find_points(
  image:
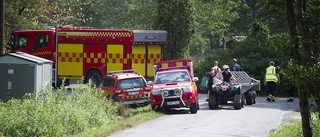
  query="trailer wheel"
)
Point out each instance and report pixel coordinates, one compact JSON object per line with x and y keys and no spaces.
{"x":93,"y":76}
{"x":213,"y":102}
{"x":249,"y":98}
{"x":193,"y":108}
{"x":237,"y":102}
{"x":254,"y":93}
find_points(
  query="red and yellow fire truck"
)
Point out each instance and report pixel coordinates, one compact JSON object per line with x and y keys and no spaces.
{"x":91,"y":53}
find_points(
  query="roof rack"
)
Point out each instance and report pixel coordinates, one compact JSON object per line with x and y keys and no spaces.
{"x":121,"y":71}
{"x":75,"y":27}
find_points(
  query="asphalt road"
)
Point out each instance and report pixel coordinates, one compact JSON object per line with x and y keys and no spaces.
{"x":251,"y":121}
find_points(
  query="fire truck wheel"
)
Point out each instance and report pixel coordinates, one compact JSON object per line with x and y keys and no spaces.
{"x":193,"y":108}
{"x":94,"y":76}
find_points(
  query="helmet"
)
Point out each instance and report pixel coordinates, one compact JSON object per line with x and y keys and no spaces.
{"x":271,"y":63}
{"x":234,"y":60}
{"x":225,"y":67}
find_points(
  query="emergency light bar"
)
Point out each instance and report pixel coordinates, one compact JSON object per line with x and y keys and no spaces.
{"x":172,"y":68}
{"x":121,"y":71}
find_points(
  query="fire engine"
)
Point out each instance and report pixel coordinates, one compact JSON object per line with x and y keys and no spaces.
{"x":84,"y":52}
{"x":174,"y":86}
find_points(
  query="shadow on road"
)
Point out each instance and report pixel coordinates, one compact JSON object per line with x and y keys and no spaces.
{"x":261,"y":102}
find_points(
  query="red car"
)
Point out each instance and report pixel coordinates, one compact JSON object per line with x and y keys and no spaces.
{"x":125,"y":86}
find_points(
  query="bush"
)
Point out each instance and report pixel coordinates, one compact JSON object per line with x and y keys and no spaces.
{"x":54,"y":114}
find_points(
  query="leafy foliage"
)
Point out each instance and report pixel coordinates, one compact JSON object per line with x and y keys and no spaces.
{"x":175,"y":16}
{"x":54,"y":114}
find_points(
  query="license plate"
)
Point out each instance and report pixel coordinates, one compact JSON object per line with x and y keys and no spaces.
{"x":173,"y":103}
{"x":133,"y":93}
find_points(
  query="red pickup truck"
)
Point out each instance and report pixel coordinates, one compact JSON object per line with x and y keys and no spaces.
{"x":174,"y":86}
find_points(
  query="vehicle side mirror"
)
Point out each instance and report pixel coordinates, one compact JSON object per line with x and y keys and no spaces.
{"x":195,"y":79}
{"x":150,"y":83}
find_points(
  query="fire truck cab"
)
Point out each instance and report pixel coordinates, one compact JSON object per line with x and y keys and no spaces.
{"x":84,"y":52}
{"x":174,"y":86}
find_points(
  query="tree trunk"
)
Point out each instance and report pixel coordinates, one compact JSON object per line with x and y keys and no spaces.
{"x":293,"y":29}
{"x":2,"y":27}
{"x":305,"y":113}
{"x":295,"y":22}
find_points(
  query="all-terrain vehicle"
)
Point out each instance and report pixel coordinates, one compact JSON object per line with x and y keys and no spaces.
{"x":241,"y":91}
{"x":224,"y":92}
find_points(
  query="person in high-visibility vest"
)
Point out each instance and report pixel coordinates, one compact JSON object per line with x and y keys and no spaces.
{"x":270,"y":80}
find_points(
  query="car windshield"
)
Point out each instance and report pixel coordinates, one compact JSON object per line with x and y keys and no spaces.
{"x":132,"y":83}
{"x":170,"y":77}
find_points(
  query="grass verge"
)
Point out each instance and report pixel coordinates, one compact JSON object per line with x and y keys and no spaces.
{"x":293,"y":127}
{"x":139,"y":115}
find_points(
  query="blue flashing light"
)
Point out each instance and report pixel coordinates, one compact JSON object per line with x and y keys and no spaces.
{"x":169,"y":68}
{"x":121,"y":71}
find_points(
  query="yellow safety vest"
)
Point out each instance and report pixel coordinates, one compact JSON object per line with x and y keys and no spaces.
{"x":271,"y":74}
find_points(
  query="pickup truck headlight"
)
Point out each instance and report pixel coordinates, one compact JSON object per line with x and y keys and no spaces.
{"x":187,"y":89}
{"x":156,"y":91}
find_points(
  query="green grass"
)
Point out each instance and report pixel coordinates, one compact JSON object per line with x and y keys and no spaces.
{"x":293,"y":128}
{"x":141,"y":115}
{"x":83,"y":113}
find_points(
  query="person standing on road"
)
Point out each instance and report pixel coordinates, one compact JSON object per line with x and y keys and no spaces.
{"x":236,"y":66}
{"x":270,"y":80}
{"x":214,"y":71}
{"x":292,"y":88}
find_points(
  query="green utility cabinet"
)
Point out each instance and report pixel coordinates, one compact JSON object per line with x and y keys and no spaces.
{"x":22,"y":73}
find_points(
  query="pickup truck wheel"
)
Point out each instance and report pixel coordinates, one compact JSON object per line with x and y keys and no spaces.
{"x":198,"y":107}
{"x":249,"y":98}
{"x":237,"y":102}
{"x":193,"y":108}
{"x":155,"y":108}
{"x":213,"y":102}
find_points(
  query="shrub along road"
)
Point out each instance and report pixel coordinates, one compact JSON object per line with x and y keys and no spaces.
{"x":251,"y":121}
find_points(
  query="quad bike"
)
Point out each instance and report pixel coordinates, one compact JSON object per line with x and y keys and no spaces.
{"x":224,"y":92}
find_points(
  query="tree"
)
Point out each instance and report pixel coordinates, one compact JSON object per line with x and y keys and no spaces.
{"x":175,"y":16}
{"x":133,"y":14}
{"x":303,"y":20}
{"x":213,"y":22}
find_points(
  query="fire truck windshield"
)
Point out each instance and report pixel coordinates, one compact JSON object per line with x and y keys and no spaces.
{"x":169,"y":77}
